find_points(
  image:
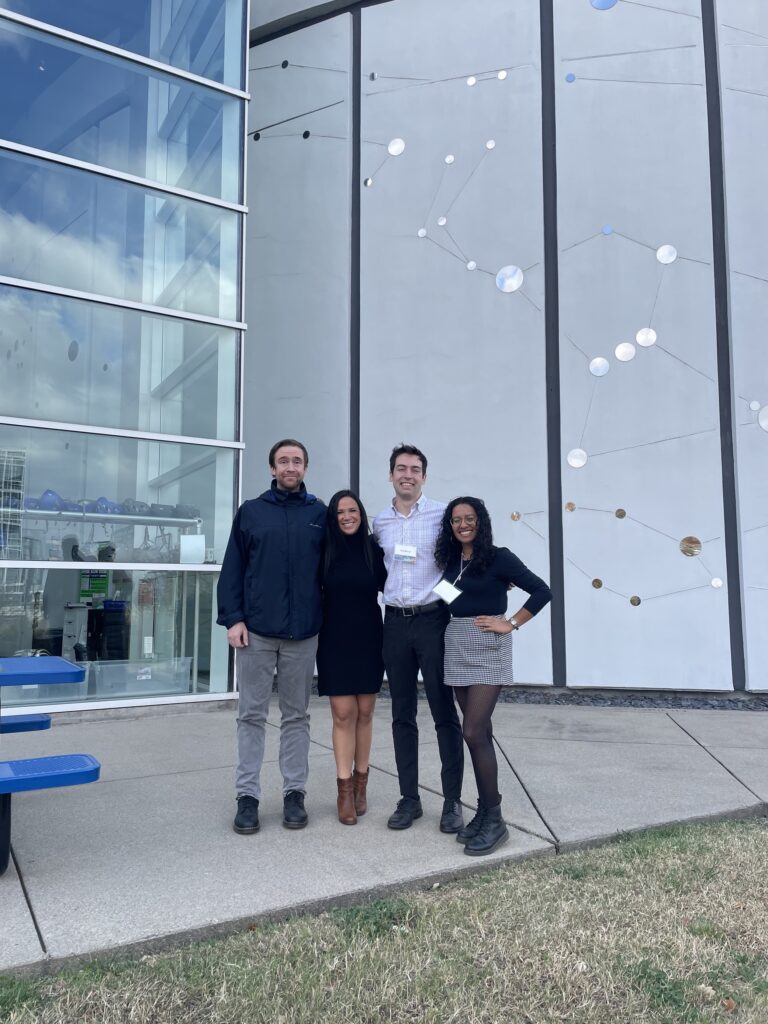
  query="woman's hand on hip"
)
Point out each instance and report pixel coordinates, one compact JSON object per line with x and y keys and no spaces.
{"x":493,"y":624}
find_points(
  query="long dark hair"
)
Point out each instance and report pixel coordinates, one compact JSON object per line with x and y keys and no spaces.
{"x":447,"y":547}
{"x":334,"y":538}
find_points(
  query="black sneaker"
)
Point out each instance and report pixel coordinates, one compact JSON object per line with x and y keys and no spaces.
{"x":247,"y":818}
{"x":452,"y":819}
{"x":407,"y":811}
{"x":294,"y":815}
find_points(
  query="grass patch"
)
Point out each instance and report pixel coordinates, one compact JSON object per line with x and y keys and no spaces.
{"x":15,"y":993}
{"x":663,"y":928}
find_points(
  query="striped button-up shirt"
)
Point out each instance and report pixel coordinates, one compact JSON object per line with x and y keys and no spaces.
{"x":410,"y":583}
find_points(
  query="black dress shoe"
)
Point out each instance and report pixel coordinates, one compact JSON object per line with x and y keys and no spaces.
{"x":451,"y":820}
{"x":407,"y":811}
{"x":294,"y":815}
{"x":247,"y":817}
{"x":491,"y":834}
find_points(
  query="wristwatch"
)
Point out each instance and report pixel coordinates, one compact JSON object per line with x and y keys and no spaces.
{"x":513,"y":622}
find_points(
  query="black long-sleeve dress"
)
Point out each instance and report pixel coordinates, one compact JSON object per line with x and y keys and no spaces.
{"x":349,"y":659}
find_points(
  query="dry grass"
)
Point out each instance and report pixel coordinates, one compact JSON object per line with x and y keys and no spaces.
{"x":665,"y":928}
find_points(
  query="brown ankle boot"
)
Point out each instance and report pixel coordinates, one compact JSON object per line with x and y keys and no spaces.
{"x":345,"y":802}
{"x":360,"y":780}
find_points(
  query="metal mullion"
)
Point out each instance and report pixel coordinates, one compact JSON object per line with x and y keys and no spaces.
{"x":552,"y":340}
{"x":116,"y":51}
{"x":731,"y":526}
{"x":137,"y":435}
{"x":110,"y":172}
{"x":204,"y":567}
{"x":106,"y":300}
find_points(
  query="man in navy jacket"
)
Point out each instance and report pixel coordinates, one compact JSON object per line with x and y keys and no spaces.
{"x":269,"y":600}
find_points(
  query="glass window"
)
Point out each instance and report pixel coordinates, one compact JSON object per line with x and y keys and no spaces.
{"x":86,"y":497}
{"x":104,"y":110}
{"x":79,"y":230}
{"x":202,"y":36}
{"x":82,"y":362}
{"x":139,"y":633}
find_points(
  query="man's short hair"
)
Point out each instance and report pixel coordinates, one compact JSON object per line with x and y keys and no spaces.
{"x":287,"y":442}
{"x":407,"y":449}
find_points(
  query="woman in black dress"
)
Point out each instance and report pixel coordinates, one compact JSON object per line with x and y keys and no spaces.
{"x":350,"y":668}
{"x":478,"y":646}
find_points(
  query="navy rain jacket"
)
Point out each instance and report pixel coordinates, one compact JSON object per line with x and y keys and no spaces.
{"x":270,"y":577}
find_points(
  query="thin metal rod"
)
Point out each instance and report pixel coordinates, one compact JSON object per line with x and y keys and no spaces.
{"x":355,"y":249}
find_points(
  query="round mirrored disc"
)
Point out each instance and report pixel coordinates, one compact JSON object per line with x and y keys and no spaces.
{"x":471,"y":265}
{"x":666,"y":254}
{"x":450,"y":158}
{"x":422,"y":232}
{"x":599,"y":366}
{"x":625,"y":351}
{"x":646,"y":337}
{"x":717,"y":582}
{"x":570,"y":77}
{"x":516,"y":516}
{"x":577,"y":458}
{"x":603,"y":5}
{"x":509,"y":278}
{"x":396,"y":147}
{"x":570,"y":506}
{"x":762,"y":417}
{"x":690,"y":546}
{"x":634,"y":600}
{"x":471,"y":80}
{"x":490,"y":144}
{"x":754,"y":406}
{"x":442,"y":221}
{"x":597,"y":584}
{"x":368,"y":182}
{"x":502,"y":75}
{"x":620,"y":513}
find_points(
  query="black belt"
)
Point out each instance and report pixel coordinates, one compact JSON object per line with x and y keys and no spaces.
{"x":413,"y":609}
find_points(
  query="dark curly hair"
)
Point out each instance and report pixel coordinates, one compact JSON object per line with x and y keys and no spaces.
{"x":447,"y":547}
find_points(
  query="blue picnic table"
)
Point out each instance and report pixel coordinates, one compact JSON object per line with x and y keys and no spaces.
{"x":36,"y":772}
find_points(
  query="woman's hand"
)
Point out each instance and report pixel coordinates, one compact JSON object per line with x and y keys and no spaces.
{"x":493,"y":624}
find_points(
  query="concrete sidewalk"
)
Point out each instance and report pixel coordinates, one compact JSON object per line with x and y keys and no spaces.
{"x":148,"y":854}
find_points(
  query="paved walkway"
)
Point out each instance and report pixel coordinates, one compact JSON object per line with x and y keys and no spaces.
{"x":148,"y":853}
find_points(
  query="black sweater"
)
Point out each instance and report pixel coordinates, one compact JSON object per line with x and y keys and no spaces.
{"x":486,"y":594}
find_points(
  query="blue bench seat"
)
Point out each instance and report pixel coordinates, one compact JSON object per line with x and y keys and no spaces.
{"x":38,"y":773}
{"x":47,"y":772}
{"x":24,"y":723}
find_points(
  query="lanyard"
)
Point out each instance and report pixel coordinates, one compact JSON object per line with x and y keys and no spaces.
{"x":463,"y":568}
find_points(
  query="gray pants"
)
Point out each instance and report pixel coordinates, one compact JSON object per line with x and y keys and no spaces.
{"x":256,"y":664}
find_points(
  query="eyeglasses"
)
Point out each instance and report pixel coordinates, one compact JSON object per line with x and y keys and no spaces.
{"x":469,"y":520}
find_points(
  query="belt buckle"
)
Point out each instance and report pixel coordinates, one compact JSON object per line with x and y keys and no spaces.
{"x":409,"y":611}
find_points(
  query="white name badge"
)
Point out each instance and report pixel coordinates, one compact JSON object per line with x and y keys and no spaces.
{"x":446,"y":591}
{"x":405,"y":552}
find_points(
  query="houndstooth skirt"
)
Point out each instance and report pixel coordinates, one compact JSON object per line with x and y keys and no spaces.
{"x":473,"y":657}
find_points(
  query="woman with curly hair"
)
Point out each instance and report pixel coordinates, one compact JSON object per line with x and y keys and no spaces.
{"x":350,"y":667}
{"x":478,"y":646}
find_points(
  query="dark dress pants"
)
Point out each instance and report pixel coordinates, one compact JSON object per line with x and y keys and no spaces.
{"x":413,"y":642}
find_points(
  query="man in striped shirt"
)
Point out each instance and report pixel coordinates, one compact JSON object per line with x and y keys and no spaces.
{"x":414,"y":627}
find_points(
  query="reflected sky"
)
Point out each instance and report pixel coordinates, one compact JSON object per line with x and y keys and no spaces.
{"x":72,"y":361}
{"x":105,"y":110}
{"x":147,"y":27}
{"x":78,"y":230}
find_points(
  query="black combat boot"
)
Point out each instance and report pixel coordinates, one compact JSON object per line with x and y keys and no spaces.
{"x":491,"y":834}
